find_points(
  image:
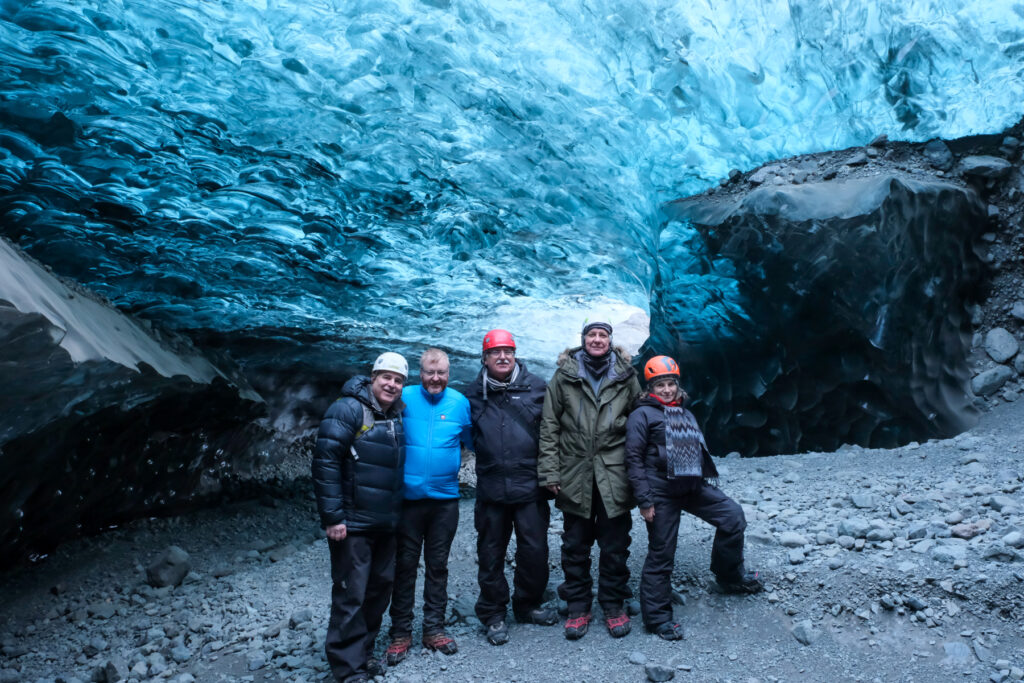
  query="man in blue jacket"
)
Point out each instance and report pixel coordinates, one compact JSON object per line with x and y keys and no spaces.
{"x":357,"y":478}
{"x":436,"y":422}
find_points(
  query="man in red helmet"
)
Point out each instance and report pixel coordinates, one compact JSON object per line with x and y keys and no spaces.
{"x":505,"y":408}
{"x":669,"y":469}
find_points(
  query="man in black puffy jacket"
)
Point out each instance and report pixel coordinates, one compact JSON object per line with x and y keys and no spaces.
{"x":358,"y":478}
{"x":505,"y":409}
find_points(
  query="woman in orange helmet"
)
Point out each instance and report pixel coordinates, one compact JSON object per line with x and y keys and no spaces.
{"x":669,"y":469}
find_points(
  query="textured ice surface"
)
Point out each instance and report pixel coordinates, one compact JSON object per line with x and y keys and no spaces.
{"x":303,"y":183}
{"x":294,"y":177}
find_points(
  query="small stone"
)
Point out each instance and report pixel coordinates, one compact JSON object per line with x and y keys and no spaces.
{"x":804,"y":632}
{"x":1000,"y":345}
{"x":169,"y":569}
{"x":792,"y":539}
{"x":1018,"y":310}
{"x":915,"y":603}
{"x":859,"y":158}
{"x":659,"y":672}
{"x":181,"y":654}
{"x":300,"y":617}
{"x":255,"y":661}
{"x":796,"y":556}
{"x":102,"y":610}
{"x":836,"y":562}
{"x":938,"y":154}
{"x":1014,"y":539}
{"x":990,"y":381}
{"x":985,"y":167}
{"x":957,"y":653}
{"x":863,"y":501}
{"x":115,"y":669}
{"x":1001,"y":503}
{"x":857,"y":527}
{"x":637,"y":657}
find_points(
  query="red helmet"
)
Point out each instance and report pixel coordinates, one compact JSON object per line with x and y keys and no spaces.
{"x":659,"y":366}
{"x":498,"y":339}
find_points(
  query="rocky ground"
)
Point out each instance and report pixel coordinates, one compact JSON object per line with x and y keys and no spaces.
{"x":881,"y":565}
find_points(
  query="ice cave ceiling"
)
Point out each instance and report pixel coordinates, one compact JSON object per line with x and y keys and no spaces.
{"x":298,"y":184}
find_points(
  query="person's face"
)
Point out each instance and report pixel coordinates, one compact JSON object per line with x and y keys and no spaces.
{"x":500,"y":362}
{"x":386,"y":387}
{"x":665,"y":388}
{"x":596,"y":342}
{"x":434,"y":375}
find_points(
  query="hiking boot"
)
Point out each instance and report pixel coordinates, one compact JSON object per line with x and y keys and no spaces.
{"x":743,"y":584}
{"x":577,"y":624}
{"x":440,"y":641}
{"x":617,"y":623}
{"x":668,"y":631}
{"x":398,"y":649}
{"x":374,"y":668}
{"x":355,"y":678}
{"x":539,"y":615}
{"x":497,"y":634}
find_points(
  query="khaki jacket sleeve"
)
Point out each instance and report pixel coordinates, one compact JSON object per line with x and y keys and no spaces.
{"x":550,"y":421}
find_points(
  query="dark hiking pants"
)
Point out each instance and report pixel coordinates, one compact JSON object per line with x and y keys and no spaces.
{"x":494,"y":525}
{"x":362,"y":571}
{"x":715,"y":508}
{"x":578,"y":537}
{"x":426,"y":526}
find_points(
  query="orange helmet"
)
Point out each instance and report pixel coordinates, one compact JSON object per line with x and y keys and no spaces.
{"x":660,"y":366}
{"x":498,"y":339}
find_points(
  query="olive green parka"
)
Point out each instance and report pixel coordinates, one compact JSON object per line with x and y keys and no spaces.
{"x":583,"y":436}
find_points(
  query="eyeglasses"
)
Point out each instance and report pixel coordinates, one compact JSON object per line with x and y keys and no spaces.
{"x":431,"y":374}
{"x":501,"y":352}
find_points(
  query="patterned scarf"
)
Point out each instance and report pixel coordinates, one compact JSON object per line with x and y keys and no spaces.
{"x":684,"y":443}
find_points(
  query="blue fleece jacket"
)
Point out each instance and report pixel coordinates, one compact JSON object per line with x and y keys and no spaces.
{"x":434,"y":426}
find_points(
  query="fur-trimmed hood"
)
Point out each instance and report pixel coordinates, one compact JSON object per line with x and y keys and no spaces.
{"x":621,"y":355}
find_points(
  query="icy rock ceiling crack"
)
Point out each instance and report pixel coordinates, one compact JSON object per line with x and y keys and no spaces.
{"x":299,"y":182}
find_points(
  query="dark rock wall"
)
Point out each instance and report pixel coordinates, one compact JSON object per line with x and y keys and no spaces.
{"x":101,"y":419}
{"x":843,"y":309}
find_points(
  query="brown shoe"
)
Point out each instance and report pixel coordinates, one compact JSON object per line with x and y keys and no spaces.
{"x":618,"y":624}
{"x":398,"y":649}
{"x":441,"y":642}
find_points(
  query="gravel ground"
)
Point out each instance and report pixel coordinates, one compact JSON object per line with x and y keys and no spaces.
{"x":887,"y":565}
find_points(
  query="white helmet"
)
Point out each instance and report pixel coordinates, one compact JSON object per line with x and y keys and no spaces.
{"x":389,"y":361}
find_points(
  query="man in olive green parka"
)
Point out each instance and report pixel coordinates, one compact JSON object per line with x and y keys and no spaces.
{"x":582,"y":461}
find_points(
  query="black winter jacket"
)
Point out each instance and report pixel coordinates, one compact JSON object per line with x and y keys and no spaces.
{"x":506,"y":426}
{"x":646,"y":457}
{"x":359,"y":481}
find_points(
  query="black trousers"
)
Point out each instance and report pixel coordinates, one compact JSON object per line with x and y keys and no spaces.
{"x":612,"y":536}
{"x":494,"y":525}
{"x":362,"y":571}
{"x":715,"y":508}
{"x":426,"y":526}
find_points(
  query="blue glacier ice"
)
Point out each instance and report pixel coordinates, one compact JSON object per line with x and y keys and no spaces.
{"x":294,"y":185}
{"x":301,"y":183}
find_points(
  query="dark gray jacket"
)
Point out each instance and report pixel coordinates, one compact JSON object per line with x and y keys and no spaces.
{"x":646,"y":457}
{"x":505,"y":437}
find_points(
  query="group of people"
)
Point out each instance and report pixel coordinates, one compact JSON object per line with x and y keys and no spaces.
{"x":385,"y":472}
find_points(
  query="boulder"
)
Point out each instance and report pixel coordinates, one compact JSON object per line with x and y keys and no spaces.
{"x":169,"y":569}
{"x":986,"y":167}
{"x":990,"y":381}
{"x":1000,"y":345}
